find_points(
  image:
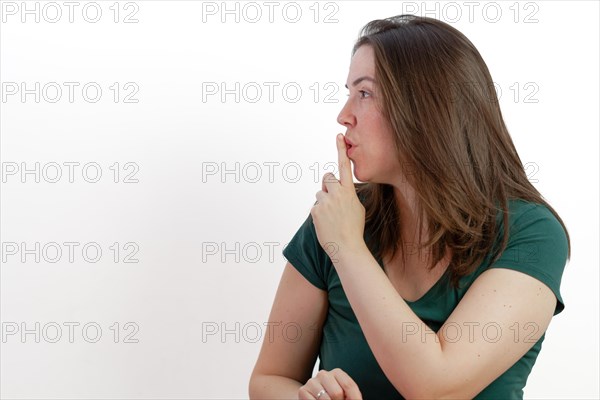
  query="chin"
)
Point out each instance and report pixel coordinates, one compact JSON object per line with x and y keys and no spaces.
{"x":359,"y":176}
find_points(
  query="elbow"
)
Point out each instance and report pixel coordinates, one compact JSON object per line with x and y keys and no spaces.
{"x":420,"y":392}
{"x":433,"y":388}
{"x":253,"y":387}
{"x":254,"y":383}
{"x":429,"y":391}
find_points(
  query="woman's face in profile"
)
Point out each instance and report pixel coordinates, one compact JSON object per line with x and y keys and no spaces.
{"x":372,"y":152}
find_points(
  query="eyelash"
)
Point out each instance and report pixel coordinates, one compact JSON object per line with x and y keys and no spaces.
{"x":362,"y":92}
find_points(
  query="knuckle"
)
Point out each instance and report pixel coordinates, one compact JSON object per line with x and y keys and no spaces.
{"x":348,"y":384}
{"x":303,"y":393}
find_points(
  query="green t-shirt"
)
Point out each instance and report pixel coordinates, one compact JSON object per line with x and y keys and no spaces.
{"x":537,"y":246}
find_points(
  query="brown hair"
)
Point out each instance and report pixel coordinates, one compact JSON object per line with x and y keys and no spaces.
{"x":440,"y":101}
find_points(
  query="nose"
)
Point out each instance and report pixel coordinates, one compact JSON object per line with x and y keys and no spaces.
{"x":346,"y":117}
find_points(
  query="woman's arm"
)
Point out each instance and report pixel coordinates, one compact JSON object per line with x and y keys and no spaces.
{"x":285,"y":364}
{"x":423,"y":364}
{"x":273,"y":387}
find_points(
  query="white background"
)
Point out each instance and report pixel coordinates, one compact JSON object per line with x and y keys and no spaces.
{"x":179,"y":220}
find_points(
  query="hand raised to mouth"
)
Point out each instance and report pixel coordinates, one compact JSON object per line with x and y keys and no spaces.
{"x":338,"y":215}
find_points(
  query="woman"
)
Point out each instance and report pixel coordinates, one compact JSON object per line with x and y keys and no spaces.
{"x":437,"y":276}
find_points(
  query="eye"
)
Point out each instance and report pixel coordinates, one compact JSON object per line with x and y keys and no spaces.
{"x":364,"y":93}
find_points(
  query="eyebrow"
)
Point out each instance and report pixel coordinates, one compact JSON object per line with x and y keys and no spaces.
{"x":359,"y":80}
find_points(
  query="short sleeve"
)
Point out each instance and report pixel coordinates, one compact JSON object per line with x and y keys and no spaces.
{"x":305,"y":253}
{"x":537,"y":246}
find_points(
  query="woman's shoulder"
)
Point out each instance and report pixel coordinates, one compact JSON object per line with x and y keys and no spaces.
{"x":518,"y":206}
{"x":521,"y":210}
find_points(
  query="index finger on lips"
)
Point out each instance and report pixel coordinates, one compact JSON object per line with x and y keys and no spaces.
{"x":343,"y":162}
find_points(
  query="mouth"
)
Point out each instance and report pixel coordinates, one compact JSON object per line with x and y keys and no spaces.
{"x":349,"y":144}
{"x":350,"y":150}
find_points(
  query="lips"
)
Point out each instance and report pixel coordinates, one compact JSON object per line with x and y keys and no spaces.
{"x":349,"y":147}
{"x":348,"y":143}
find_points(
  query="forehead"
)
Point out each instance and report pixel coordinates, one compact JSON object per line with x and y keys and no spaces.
{"x":362,"y":64}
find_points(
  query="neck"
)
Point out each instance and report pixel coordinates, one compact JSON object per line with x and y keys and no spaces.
{"x":406,"y":201}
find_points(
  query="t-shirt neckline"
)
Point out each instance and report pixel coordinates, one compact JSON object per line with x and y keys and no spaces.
{"x":428,"y":293}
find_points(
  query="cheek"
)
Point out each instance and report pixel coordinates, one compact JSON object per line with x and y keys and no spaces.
{"x":385,"y":154}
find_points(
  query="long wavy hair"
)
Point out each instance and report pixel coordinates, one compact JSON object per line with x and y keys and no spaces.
{"x":440,"y":101}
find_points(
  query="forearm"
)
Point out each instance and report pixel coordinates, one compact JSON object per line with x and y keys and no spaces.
{"x":273,"y":387}
{"x":407,"y":350}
